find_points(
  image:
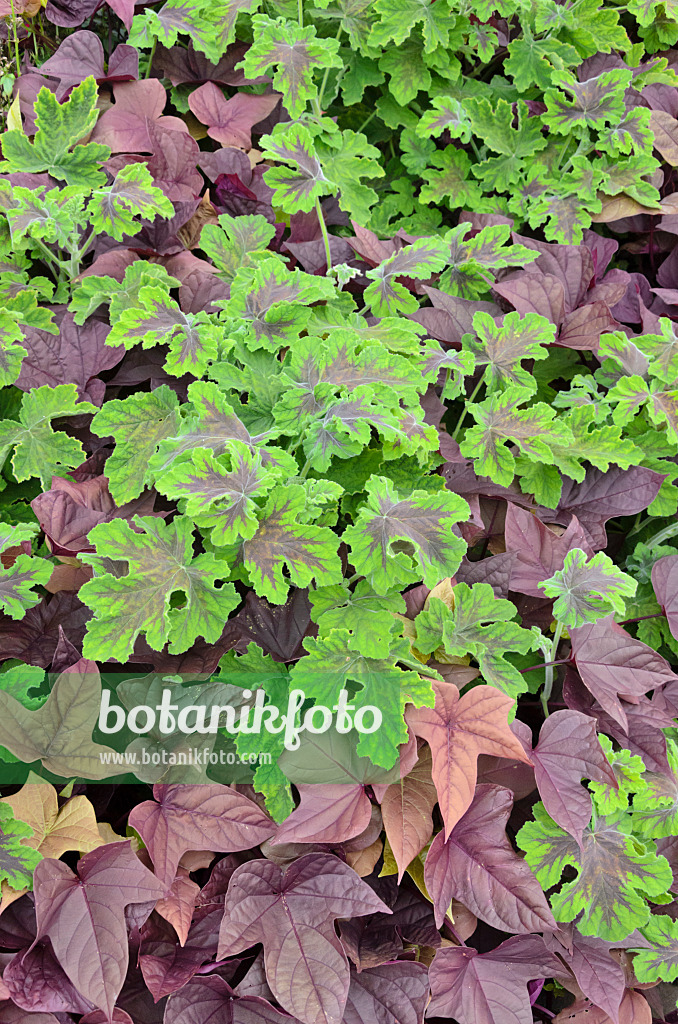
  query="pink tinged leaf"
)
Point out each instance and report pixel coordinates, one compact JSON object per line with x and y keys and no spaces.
{"x":83,"y":916}
{"x":490,"y":988}
{"x":11,"y":1014}
{"x":230,"y":122}
{"x":166,"y":966}
{"x":210,"y":999}
{"x":599,"y":976}
{"x":479,"y":867}
{"x":568,"y":750}
{"x":293,"y":916}
{"x":124,"y":9}
{"x":539,"y":551}
{"x":582,"y":328}
{"x":178,"y":905}
{"x":326,"y":814}
{"x":407,"y":809}
{"x":509,"y":773}
{"x":602,"y":496}
{"x":394,"y":993}
{"x":612,"y":663}
{"x":37,"y":983}
{"x":665,"y":583}
{"x":99,"y":1017}
{"x":184,"y":817}
{"x":534,"y":293}
{"x":124,"y":127}
{"x":458,"y":730}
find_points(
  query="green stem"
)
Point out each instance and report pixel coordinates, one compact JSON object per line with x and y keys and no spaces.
{"x":367,"y":121}
{"x":475,"y":149}
{"x":53,"y":260}
{"x":327,"y":70}
{"x":15,"y":32}
{"x":467,"y":401}
{"x":300,"y":12}
{"x":326,"y":237}
{"x":666,"y":534}
{"x":305,"y":468}
{"x":150,"y":59}
{"x":548,"y":673}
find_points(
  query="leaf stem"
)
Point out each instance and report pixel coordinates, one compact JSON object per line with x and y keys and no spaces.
{"x":545,"y":664}
{"x":467,"y":401}
{"x":15,"y":32}
{"x":327,"y":70}
{"x":666,"y":534}
{"x":548,"y":674}
{"x":150,"y":59}
{"x":305,"y":468}
{"x":300,"y":13}
{"x":366,"y":121}
{"x":326,"y":237}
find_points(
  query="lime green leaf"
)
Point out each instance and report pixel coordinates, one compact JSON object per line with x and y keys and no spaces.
{"x":587,"y":590}
{"x":502,"y":346}
{"x":93,"y":291}
{"x":615,"y":874}
{"x":392,"y":535}
{"x":39,"y":450}
{"x":295,"y":190}
{"x":450,"y":178}
{"x":419,"y":260}
{"x":159,"y":560}
{"x":533,"y":61}
{"x":660,"y":962}
{"x":230,"y":243}
{"x":26,"y":572}
{"x":60,"y":126}
{"x":368,"y":617}
{"x":629,"y":770}
{"x":594,"y":103}
{"x":407,"y":70}
{"x":447,"y":114}
{"x":117,"y":209}
{"x":399,"y":17}
{"x":17,"y":860}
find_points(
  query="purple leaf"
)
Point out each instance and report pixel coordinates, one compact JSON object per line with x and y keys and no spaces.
{"x":599,"y":976}
{"x":572,"y":265}
{"x":568,"y":750}
{"x":612,"y":663}
{"x":124,"y":127}
{"x":326,"y":814}
{"x":69,"y":510}
{"x":582,"y":328}
{"x":185,"y":818}
{"x":479,"y":867}
{"x":230,"y":122}
{"x":490,"y":988}
{"x":82,"y":55}
{"x":34,"y":639}
{"x":394,"y":993}
{"x":665,"y":583}
{"x":180,"y":65}
{"x":83,"y":916}
{"x":293,"y":916}
{"x":602,"y":496}
{"x":37,"y":982}
{"x":278,"y":629}
{"x":374,"y":940}
{"x":497,"y":570}
{"x":530,"y":292}
{"x":539,"y":552}
{"x":12,"y":1014}
{"x":167,"y":966}
{"x":209,"y":998}
{"x":173,"y":163}
{"x":73,"y":356}
{"x":70,"y":13}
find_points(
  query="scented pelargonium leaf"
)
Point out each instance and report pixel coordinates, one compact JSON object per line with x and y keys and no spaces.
{"x":284,"y":541}
{"x":459,"y":729}
{"x":38,"y":449}
{"x":628,"y":770}
{"x":587,"y":589}
{"x":420,"y":260}
{"x":182,"y":818}
{"x":230,"y":243}
{"x":295,"y":190}
{"x":293,"y":915}
{"x":478,"y":624}
{"x":25,"y":572}
{"x":192,"y":338}
{"x":368,"y":616}
{"x":93,"y":291}
{"x":60,"y":127}
{"x":501,"y":347}
{"x":392,"y":535}
{"x":446,"y":114}
{"x":655,"y":805}
{"x":493,"y":123}
{"x":397,"y":20}
{"x":220,"y":492}
{"x":90,"y":905}
{"x":346,"y":159}
{"x":15,"y":311}
{"x":616,"y":873}
{"x":117,"y":209}
{"x":330,"y":667}
{"x":160,"y":563}
{"x":500,"y":420}
{"x":660,"y":961}
{"x":478,"y":866}
{"x":594,"y":103}
{"x":17,"y":860}
{"x":138,"y":424}
{"x":295,"y":53}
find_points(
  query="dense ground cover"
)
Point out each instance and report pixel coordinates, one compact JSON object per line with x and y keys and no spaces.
{"x":337,"y":352}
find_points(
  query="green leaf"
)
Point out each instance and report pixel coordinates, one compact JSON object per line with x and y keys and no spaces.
{"x":52,"y":216}
{"x":329,"y":668}
{"x":616,"y":874}
{"x":93,"y":291}
{"x":479,"y":624}
{"x":450,"y":178}
{"x":230,"y":243}
{"x":17,"y":860}
{"x":586,"y":591}
{"x":446,"y":114}
{"x":138,"y":424}
{"x":407,"y":71}
{"x":295,"y":53}
{"x":282,"y":541}
{"x":295,"y":190}
{"x":502,"y":346}
{"x":192,"y":338}
{"x":59,"y":127}
{"x":220,"y":492}
{"x":662,"y":351}
{"x":117,"y":209}
{"x":20,"y":309}
{"x":348,"y":159}
{"x":399,"y":17}
{"x":660,"y":962}
{"x":655,"y":807}
{"x":392,"y":535}
{"x":39,"y":450}
{"x":594,"y":103}
{"x":628,"y":770}
{"x":493,"y":123}
{"x":368,"y":617}
{"x":598,"y":443}
{"x":158,"y":557}
{"x":499,"y":420}
{"x":533,"y":61}
{"x":419,"y":260}
{"x":25,"y":572}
